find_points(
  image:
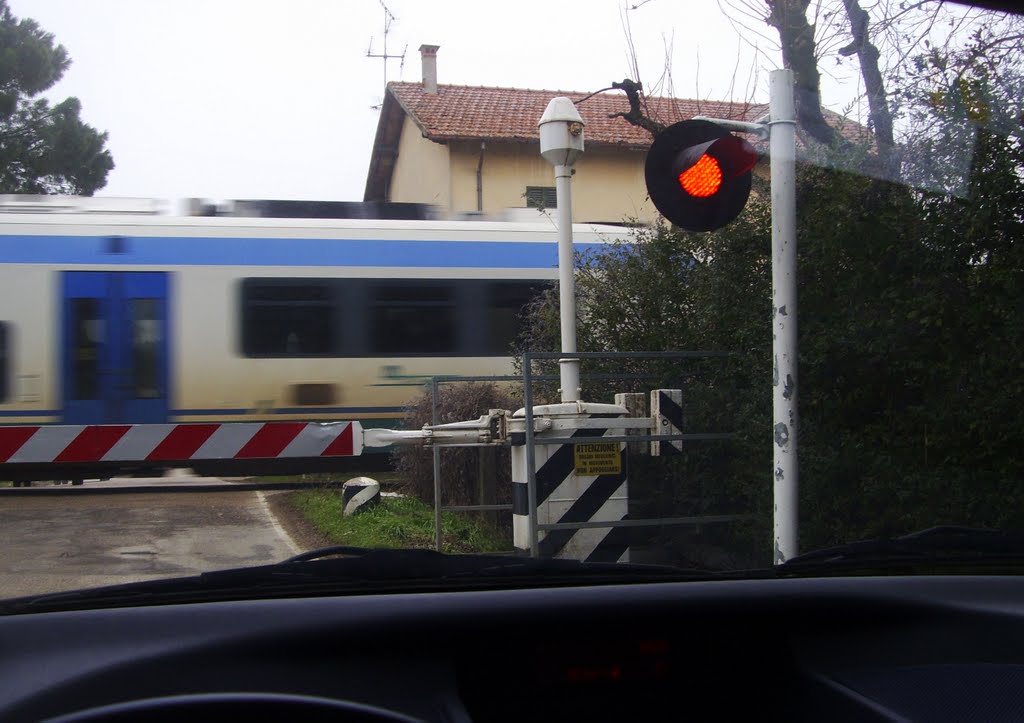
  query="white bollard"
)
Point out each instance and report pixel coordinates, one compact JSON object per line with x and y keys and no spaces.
{"x":360,"y":494}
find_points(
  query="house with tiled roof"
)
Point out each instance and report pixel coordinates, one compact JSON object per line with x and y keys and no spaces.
{"x":473,"y":150}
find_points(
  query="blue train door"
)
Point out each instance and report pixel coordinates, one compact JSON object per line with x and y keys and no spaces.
{"x":114,"y":344}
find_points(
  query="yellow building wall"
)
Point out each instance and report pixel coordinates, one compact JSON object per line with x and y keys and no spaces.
{"x":608,"y":185}
{"x":422,"y":170}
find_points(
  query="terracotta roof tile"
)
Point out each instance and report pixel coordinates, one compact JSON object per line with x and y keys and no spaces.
{"x":459,"y":112}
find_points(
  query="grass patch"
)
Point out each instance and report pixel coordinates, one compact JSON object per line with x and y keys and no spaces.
{"x":397,"y":522}
{"x":321,"y":479}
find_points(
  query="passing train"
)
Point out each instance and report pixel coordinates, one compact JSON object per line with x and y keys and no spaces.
{"x":127,"y":319}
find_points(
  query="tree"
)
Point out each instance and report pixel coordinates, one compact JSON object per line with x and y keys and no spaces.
{"x":789,"y":18}
{"x":679,"y":291}
{"x":43,"y":148}
{"x":976,"y":92}
{"x":910,"y":344}
{"x":893,"y":42}
{"x":911,"y":331}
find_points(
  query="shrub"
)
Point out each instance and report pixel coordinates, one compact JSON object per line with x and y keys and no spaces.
{"x":460,"y":466}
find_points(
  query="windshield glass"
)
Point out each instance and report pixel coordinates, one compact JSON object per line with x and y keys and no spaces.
{"x":616,"y":282}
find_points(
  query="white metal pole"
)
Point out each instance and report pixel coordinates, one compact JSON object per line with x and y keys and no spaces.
{"x":569,"y":369}
{"x":561,"y":143}
{"x":782,"y":147}
{"x":435,"y":418}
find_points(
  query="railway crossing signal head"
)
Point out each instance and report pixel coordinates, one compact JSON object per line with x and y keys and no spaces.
{"x":698,"y":174}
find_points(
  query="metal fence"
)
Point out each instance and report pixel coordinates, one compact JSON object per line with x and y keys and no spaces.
{"x":528,"y":380}
{"x":531,"y":442}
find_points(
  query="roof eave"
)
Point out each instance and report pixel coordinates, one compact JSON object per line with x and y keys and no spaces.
{"x":466,"y":138}
{"x":385,"y":149}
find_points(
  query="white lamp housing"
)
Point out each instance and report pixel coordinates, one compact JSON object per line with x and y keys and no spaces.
{"x":561,"y":132}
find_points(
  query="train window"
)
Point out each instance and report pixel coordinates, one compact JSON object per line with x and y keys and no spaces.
{"x":146,"y":333}
{"x":287,"y":318}
{"x":506,"y":301}
{"x":413,"y":318}
{"x":4,"y":362}
{"x":88,"y":328}
{"x":392,"y":317}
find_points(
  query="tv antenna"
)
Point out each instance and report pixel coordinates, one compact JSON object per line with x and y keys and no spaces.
{"x":389,"y":18}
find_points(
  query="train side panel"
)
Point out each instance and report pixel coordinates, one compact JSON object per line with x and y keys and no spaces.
{"x":28,"y":307}
{"x":214,"y":377}
{"x":134,"y":320}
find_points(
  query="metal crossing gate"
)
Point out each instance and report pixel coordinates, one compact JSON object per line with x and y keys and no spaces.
{"x":80,"y":444}
{"x":569,"y":460}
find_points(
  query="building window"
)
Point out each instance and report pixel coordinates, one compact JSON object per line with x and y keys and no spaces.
{"x":541,"y":197}
{"x":287,"y":318}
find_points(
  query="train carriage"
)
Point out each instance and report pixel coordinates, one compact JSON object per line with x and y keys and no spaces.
{"x":121,"y":319}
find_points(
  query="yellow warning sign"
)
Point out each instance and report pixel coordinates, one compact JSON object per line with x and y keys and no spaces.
{"x":598,"y":458}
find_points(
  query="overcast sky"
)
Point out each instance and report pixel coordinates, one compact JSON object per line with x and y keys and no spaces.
{"x":252,"y":99}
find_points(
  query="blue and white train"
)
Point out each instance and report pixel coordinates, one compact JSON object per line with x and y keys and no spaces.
{"x":108,"y":319}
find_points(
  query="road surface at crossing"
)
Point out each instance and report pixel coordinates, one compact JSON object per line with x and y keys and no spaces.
{"x":52,"y":543}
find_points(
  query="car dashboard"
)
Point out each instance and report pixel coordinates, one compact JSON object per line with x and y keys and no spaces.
{"x":872,"y":648}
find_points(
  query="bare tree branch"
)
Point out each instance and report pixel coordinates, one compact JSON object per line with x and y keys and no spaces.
{"x":742,"y":29}
{"x":636,"y":115}
{"x":789,"y":18}
{"x":631,"y":54}
{"x":874,"y":85}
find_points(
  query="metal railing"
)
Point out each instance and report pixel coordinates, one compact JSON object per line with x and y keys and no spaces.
{"x":528,"y":379}
{"x":531,"y":442}
{"x":435,"y":386}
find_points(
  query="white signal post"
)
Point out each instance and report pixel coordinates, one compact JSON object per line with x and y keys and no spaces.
{"x":782,"y":140}
{"x":561,"y":143}
{"x":780,"y":129}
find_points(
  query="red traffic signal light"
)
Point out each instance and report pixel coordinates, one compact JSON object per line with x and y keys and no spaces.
{"x":698,"y":175}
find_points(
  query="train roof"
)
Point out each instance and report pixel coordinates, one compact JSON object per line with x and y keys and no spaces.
{"x":169,"y":223}
{"x":172,"y":241}
{"x":71,"y":210}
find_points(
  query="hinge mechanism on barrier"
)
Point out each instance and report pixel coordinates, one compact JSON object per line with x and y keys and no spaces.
{"x":499,"y":427}
{"x":488,"y":429}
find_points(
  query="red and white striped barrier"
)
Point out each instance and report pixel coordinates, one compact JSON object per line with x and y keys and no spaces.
{"x":178,"y":442}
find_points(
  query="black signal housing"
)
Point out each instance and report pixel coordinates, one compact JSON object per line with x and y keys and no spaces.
{"x":699,"y":175}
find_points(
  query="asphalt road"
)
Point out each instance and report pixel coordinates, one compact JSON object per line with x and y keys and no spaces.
{"x":63,"y":542}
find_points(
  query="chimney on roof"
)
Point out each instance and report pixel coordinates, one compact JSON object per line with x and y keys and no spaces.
{"x":428,"y":54}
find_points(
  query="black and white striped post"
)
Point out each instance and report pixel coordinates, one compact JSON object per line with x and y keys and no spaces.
{"x":560,"y":487}
{"x":577,"y":484}
{"x":667,"y":412}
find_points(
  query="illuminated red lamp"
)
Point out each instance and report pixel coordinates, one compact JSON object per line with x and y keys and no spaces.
{"x":699,"y":175}
{"x":703,"y":178}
